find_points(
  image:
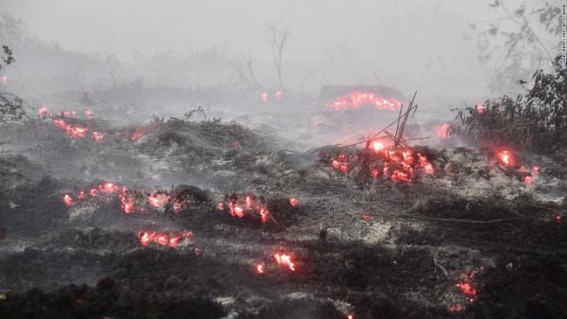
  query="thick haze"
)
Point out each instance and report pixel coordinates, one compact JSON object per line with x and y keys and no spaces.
{"x":410,"y":44}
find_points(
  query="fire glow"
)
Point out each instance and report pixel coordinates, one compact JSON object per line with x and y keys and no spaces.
{"x":171,"y":239}
{"x":130,"y":201}
{"x":358,"y":99}
{"x":75,"y":131}
{"x":396,"y":164}
{"x":284,"y":260}
{"x":250,"y":206}
{"x":443,"y":131}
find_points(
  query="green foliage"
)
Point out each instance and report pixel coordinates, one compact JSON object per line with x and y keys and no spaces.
{"x":534,"y":121}
{"x":12,"y":109}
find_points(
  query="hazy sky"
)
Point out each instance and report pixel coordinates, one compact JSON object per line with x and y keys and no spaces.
{"x":404,"y":38}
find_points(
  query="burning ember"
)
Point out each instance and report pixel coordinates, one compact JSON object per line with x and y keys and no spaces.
{"x":68,"y":200}
{"x":358,"y":98}
{"x":75,"y":131}
{"x":5,"y":80}
{"x":130,"y":201}
{"x":456,"y":308}
{"x":340,"y":163}
{"x":158,"y":200}
{"x":396,"y":164}
{"x":443,"y":131}
{"x":278,"y":95}
{"x":284,"y":261}
{"x":480,"y":108}
{"x":260,"y":268}
{"x":97,"y":136}
{"x":264,"y":97}
{"x":293,"y":202}
{"x":145,"y":238}
{"x":505,"y":158}
{"x":136,"y":135}
{"x":43,"y":111}
{"x":248,"y":207}
{"x":377,"y":146}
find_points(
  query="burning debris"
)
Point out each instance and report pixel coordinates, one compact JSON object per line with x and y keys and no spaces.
{"x":358,"y":99}
{"x":133,"y":201}
{"x":284,"y":260}
{"x":167,"y":239}
{"x":245,"y":206}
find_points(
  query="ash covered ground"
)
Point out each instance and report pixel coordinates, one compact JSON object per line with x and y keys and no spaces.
{"x":212,"y":218}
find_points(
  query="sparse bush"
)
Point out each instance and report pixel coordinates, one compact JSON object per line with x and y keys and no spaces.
{"x":534,"y":121}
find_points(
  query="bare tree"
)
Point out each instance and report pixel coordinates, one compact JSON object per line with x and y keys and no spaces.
{"x":277,"y":39}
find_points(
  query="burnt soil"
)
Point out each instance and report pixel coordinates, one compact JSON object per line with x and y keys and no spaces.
{"x":512,"y":251}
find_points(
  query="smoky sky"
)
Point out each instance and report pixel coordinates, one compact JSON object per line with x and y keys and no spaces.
{"x":417,"y":44}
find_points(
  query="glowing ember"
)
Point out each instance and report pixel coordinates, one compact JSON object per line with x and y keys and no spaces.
{"x":528,"y":180}
{"x":467,"y":289}
{"x":145,"y":238}
{"x":293,"y":202}
{"x":260,"y":268}
{"x":284,"y":261}
{"x":278,"y":95}
{"x":42,"y":111}
{"x":127,"y":202}
{"x":158,"y":200}
{"x":357,"y":99}
{"x":340,"y":163}
{"x":264,"y":97}
{"x":136,"y":135}
{"x":238,"y":212}
{"x":456,"y":308}
{"x":68,"y":200}
{"x":558,"y":219}
{"x":197,"y":251}
{"x":220,"y":206}
{"x":376,"y":146}
{"x":443,"y":131}
{"x":74,"y":131}
{"x":505,"y":158}
{"x":5,"y":80}
{"x":350,"y":317}
{"x":480,"y":108}
{"x":536,"y":169}
{"x":264,"y":215}
{"x":98,"y":137}
{"x":88,"y":114}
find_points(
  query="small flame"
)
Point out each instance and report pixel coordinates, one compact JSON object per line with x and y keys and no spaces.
{"x":377,"y":146}
{"x":285,"y":261}
{"x":505,"y":158}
